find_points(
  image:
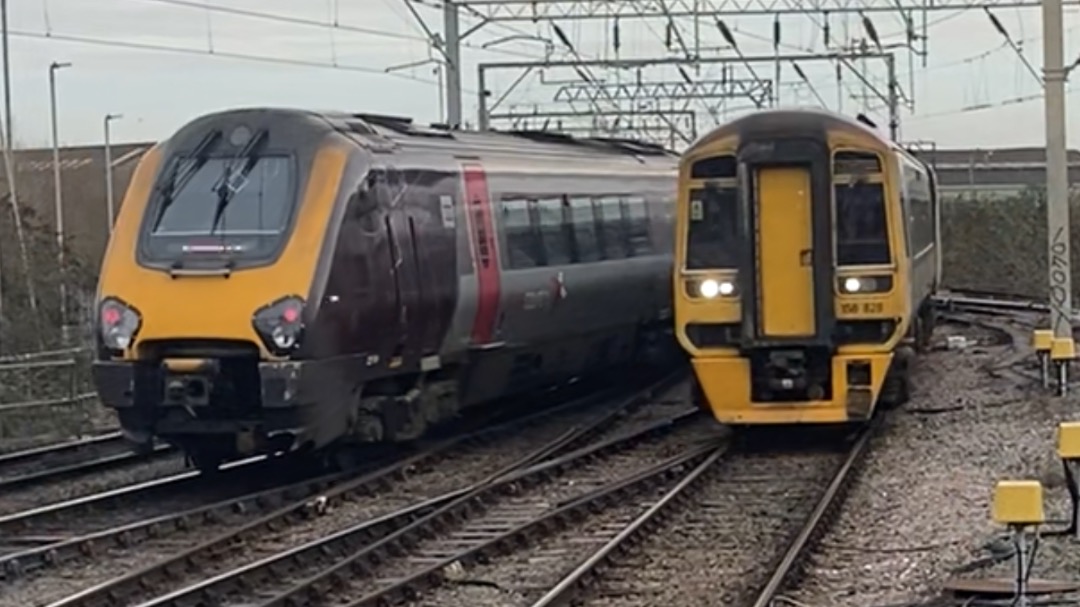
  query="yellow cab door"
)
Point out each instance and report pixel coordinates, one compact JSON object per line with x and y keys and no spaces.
{"x":785,"y":249}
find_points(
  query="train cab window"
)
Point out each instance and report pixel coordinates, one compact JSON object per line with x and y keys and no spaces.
{"x":249,"y":225}
{"x":637,"y":225}
{"x":523,"y":247}
{"x":862,"y":237}
{"x":584,"y":222}
{"x":611,"y":227}
{"x":717,"y":167}
{"x":554,"y":233}
{"x":713,"y":237}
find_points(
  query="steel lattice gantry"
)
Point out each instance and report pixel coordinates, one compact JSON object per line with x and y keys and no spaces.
{"x":537,"y":10}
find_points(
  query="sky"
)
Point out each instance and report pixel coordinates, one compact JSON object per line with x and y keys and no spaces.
{"x":974,"y":91}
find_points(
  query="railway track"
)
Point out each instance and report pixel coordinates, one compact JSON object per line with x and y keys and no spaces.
{"x":65,"y":460}
{"x":403,"y":548}
{"x":220,"y":532}
{"x":730,"y":528}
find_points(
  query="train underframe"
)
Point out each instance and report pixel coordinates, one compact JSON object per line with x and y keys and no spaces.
{"x":798,"y":385}
{"x":220,"y":409}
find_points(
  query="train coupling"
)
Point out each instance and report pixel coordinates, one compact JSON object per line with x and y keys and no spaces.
{"x":786,"y":370}
{"x":188,"y":382}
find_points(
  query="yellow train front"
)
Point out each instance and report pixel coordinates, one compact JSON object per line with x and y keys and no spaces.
{"x":807,"y":249}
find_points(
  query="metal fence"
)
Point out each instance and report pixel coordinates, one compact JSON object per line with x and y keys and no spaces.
{"x":47,"y":396}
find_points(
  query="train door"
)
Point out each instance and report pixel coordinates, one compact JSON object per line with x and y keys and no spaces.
{"x":785,"y":252}
{"x":407,"y":282}
{"x":425,"y":301}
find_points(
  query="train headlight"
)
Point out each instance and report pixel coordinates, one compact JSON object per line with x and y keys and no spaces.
{"x":854,"y":285}
{"x":117,"y":324}
{"x":710,"y":288}
{"x":281,"y":325}
{"x":865,"y":284}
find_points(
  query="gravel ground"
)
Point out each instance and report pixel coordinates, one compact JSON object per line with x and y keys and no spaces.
{"x":468,"y":464}
{"x":921,"y":508}
{"x":70,"y":488}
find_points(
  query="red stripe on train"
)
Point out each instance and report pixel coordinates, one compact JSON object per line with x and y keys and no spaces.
{"x":485,"y":255}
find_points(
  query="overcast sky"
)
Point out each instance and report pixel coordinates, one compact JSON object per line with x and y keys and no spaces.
{"x":158,"y":91}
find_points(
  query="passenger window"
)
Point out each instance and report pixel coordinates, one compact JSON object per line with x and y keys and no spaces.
{"x":611,"y":227}
{"x":713,"y":236}
{"x":521,"y":242}
{"x":637,"y":226}
{"x":554,"y":232}
{"x":584,"y":222}
{"x":861,"y":234}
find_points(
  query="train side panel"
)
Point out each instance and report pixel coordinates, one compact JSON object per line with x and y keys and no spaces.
{"x":562,"y":308}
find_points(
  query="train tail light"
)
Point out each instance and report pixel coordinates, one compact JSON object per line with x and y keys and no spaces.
{"x":118,"y":324}
{"x":280,"y":325}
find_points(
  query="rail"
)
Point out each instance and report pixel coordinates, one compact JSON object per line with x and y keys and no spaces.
{"x":274,"y":507}
{"x":573,"y":584}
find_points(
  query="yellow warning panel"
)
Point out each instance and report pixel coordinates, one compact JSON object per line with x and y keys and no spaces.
{"x":1069,"y":440}
{"x":1019,"y":503}
{"x":1062,"y":348}
{"x":785,"y":252}
{"x":1042,"y":339}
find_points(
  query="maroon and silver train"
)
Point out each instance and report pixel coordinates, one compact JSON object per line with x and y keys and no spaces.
{"x":282,"y":279}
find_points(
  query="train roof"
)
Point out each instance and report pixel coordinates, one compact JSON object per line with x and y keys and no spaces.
{"x":405,"y":131}
{"x":788,"y":119}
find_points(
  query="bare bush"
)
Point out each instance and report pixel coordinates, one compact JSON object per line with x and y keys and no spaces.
{"x":53,"y":392}
{"x":48,"y":396}
{"x":1001,"y":244}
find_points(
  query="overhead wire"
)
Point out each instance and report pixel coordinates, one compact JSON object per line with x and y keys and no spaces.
{"x":145,"y":46}
{"x":334,"y":25}
{"x":211,"y":51}
{"x":315,"y":23}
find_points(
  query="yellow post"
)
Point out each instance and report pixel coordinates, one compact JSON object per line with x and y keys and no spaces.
{"x":1062,"y":352}
{"x":1042,"y":340}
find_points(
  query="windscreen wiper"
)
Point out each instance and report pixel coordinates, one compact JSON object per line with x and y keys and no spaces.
{"x":174,"y":182}
{"x":224,"y":187}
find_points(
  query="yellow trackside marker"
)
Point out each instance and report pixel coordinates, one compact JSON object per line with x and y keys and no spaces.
{"x":1019,"y":504}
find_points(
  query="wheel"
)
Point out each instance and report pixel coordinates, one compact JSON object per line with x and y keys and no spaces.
{"x":896,"y":389}
{"x":924,"y":329}
{"x":207,"y":459}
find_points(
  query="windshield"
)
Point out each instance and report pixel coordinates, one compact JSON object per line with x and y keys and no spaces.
{"x":862,"y":236}
{"x":191,"y":217}
{"x":713,"y":238}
